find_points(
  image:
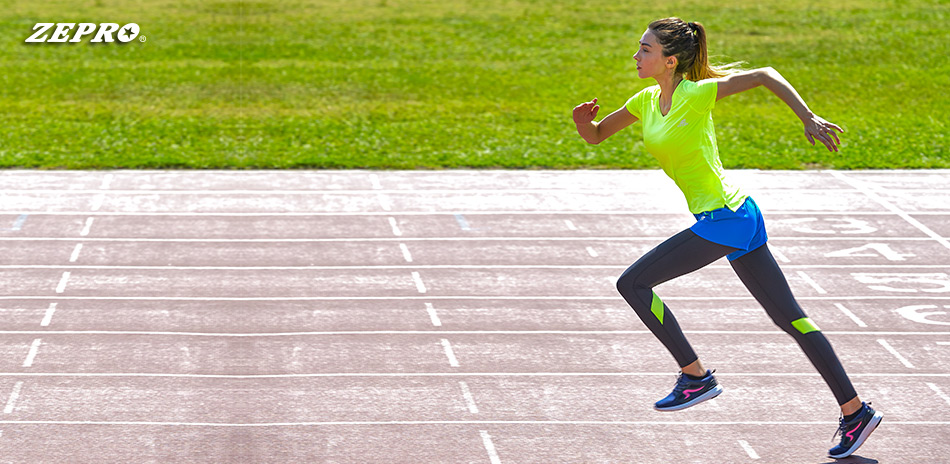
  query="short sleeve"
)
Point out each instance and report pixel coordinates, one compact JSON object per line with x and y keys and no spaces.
{"x":635,"y":104}
{"x":704,"y":97}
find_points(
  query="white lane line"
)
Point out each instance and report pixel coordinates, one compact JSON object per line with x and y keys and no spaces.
{"x":405,"y":252}
{"x":49,"y":315}
{"x":779,"y":255}
{"x":850,"y":314}
{"x":433,"y":374}
{"x":86,"y":228}
{"x":592,"y":252}
{"x":11,"y":402}
{"x":772,"y":213}
{"x":457,"y":297}
{"x":106,"y":182}
{"x":748,"y":449}
{"x":396,"y":231}
{"x":73,"y":257}
{"x":943,"y":343}
{"x":34,"y":348}
{"x":490,"y":447}
{"x":570,"y":225}
{"x":374,"y":180}
{"x":939,"y":392}
{"x":385,"y":202}
{"x":609,"y":267}
{"x":858,"y":185}
{"x":889,"y":348}
{"x":523,"y":238}
{"x":440,"y":332}
{"x":421,"y":287}
{"x":469,"y":399}
{"x":62,"y":282}
{"x":459,"y":422}
{"x":811,"y":282}
{"x":453,"y":361}
{"x":433,"y":316}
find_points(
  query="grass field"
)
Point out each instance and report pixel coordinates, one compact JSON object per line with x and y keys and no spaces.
{"x":446,"y":84}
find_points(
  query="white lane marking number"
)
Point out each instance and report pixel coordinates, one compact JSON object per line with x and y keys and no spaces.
{"x":871,"y":250}
{"x":844,"y":225}
{"x":933,"y":282}
{"x":915,"y":313}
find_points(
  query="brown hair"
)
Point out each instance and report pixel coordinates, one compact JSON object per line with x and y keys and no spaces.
{"x":687,"y":42}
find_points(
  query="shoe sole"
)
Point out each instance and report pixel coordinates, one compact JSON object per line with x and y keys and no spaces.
{"x":699,"y":399}
{"x":875,"y":420}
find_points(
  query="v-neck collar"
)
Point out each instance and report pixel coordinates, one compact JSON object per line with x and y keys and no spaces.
{"x":660,"y":108}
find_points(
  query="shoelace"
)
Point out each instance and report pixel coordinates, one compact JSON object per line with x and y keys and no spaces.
{"x":842,"y":426}
{"x":682,"y":381}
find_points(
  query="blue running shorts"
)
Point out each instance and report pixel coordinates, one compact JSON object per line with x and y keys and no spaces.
{"x":743,"y":228}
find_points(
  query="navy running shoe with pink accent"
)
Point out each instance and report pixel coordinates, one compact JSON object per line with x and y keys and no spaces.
{"x":689,"y":392}
{"x":854,"y":432}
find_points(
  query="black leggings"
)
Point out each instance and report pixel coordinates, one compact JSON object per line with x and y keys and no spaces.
{"x":686,"y":252}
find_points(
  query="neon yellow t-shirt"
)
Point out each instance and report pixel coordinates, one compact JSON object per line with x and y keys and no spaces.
{"x":684,"y":142}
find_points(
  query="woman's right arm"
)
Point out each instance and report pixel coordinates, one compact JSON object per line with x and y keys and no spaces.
{"x":596,"y":132}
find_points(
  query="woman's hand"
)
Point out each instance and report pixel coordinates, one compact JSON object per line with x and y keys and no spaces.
{"x":817,"y":128}
{"x":586,"y":112}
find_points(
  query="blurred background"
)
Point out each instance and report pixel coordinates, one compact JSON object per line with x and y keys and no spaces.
{"x":448,"y":84}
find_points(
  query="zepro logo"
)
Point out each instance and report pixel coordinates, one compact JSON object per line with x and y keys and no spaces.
{"x":63,"y":31}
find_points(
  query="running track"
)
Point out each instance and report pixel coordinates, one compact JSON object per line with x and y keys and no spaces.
{"x":454,"y":316}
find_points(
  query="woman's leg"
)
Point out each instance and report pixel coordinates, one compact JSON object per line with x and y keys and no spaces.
{"x":762,"y":276}
{"x":681,"y":254}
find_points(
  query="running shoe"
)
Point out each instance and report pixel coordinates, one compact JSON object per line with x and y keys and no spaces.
{"x":688,"y":392}
{"x":854,"y":433}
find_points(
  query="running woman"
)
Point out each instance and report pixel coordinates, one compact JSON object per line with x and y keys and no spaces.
{"x":678,"y":130}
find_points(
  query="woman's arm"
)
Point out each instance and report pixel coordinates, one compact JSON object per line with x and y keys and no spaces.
{"x":596,"y":132}
{"x":815,"y":126}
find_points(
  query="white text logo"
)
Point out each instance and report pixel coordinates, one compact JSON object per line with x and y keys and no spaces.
{"x":63,"y":31}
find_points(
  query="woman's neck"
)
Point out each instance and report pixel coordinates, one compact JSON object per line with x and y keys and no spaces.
{"x":668,"y":85}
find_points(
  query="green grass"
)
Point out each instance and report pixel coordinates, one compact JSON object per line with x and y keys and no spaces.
{"x":449,"y":84}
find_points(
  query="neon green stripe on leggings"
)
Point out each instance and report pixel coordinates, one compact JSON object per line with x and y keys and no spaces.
{"x":657,"y":307}
{"x":805,"y":325}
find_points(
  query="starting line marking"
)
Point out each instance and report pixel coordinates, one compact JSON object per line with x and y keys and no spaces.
{"x":395,"y":227}
{"x":405,"y":252}
{"x":75,"y":256}
{"x":850,"y":314}
{"x":490,"y":447}
{"x":62,"y":283}
{"x":49,"y":315}
{"x":34,"y":348}
{"x":469,"y":399}
{"x":939,"y":392}
{"x":433,"y":316}
{"x":453,"y":361}
{"x":811,"y":282}
{"x":421,"y":287}
{"x":889,"y":348}
{"x":748,"y":449}
{"x":87,"y":227}
{"x":13,"y":397}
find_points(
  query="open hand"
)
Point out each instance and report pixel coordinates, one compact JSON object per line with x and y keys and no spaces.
{"x":817,"y":128}
{"x":586,"y":112}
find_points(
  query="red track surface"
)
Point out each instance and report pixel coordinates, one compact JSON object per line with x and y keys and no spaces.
{"x":458,"y":317}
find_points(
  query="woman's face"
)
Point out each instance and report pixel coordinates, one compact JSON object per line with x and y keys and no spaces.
{"x":650,"y":59}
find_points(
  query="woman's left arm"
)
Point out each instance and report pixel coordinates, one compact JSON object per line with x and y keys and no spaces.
{"x":816,"y":127}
